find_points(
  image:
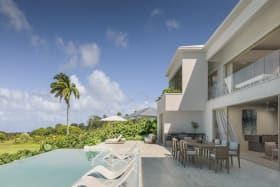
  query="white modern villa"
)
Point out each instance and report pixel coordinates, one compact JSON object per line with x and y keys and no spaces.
{"x":230,"y":85}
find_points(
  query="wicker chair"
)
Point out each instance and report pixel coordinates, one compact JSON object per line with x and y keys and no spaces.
{"x":181,"y":151}
{"x":175,"y":149}
{"x":191,"y":154}
{"x":220,"y":154}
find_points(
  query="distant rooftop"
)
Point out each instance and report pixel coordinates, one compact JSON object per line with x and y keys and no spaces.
{"x":146,"y":112}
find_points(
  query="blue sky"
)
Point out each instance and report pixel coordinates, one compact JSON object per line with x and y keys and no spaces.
{"x":117,"y":53}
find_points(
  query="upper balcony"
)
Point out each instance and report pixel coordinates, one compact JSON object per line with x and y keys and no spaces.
{"x":169,"y":101}
{"x":187,"y":77}
{"x":245,"y":73}
{"x":171,"y":97}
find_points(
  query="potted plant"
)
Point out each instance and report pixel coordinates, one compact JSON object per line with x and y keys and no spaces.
{"x":194,"y":126}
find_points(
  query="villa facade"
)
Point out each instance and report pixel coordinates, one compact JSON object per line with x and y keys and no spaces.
{"x":231,"y":84}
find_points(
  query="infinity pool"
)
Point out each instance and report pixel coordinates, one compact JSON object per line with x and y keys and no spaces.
{"x":59,"y":168}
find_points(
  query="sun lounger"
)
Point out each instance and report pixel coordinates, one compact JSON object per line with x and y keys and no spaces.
{"x":123,"y":154}
{"x":90,"y":181}
{"x":114,"y":141}
{"x":110,"y":174}
{"x":118,"y":140}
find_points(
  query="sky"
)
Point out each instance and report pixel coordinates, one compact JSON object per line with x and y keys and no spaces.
{"x":115,"y":51}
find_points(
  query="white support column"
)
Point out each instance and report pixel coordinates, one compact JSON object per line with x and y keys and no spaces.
{"x":278,"y":131}
{"x":158,"y":129}
{"x":227,"y":125}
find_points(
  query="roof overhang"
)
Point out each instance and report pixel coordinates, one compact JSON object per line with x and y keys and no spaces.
{"x":179,"y":52}
{"x":238,"y":17}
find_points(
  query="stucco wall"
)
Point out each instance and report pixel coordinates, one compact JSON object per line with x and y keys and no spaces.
{"x":194,"y":82}
{"x":181,"y":121}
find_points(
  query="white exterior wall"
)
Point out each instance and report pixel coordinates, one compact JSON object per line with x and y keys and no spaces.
{"x":194,"y":82}
{"x":181,"y":121}
{"x":179,"y":109}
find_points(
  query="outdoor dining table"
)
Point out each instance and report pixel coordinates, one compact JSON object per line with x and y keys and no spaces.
{"x":204,"y":148}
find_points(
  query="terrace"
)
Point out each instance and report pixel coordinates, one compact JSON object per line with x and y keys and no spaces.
{"x":158,"y":168}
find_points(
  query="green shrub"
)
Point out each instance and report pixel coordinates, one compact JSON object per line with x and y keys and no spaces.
{"x":22,"y":154}
{"x":3,"y":136}
{"x":47,"y":147}
{"x":79,"y":138}
{"x":171,"y":90}
{"x":23,"y":138}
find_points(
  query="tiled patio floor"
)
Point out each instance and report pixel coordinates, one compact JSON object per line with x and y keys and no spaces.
{"x":160,"y":170}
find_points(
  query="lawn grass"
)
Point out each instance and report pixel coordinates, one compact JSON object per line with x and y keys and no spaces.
{"x":9,"y":147}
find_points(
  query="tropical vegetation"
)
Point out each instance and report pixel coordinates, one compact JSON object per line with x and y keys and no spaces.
{"x":94,"y":132}
{"x":169,"y":90}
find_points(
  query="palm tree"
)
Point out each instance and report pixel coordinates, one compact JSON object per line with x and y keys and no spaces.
{"x":63,"y":88}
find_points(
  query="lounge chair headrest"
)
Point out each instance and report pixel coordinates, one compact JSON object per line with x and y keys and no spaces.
{"x":119,"y":138}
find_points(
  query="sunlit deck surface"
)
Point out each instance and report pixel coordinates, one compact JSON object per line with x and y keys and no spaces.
{"x":158,"y":168}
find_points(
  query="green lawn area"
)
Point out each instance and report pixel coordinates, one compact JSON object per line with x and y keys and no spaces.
{"x":9,"y":147}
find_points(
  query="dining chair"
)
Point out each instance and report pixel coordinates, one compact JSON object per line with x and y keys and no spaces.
{"x":181,"y":152}
{"x":268,"y":148}
{"x":191,"y":154}
{"x":217,"y":141}
{"x":234,"y":151}
{"x":224,"y":142}
{"x":174,"y":150}
{"x":188,"y":138}
{"x":220,"y":154}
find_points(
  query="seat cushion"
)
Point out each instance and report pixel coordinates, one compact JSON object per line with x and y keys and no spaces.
{"x":217,"y":141}
{"x":233,"y":146}
{"x":224,"y":142}
{"x":191,"y":152}
{"x":212,"y":155}
{"x":232,"y":152}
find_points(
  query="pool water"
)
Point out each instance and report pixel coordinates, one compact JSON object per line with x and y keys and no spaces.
{"x":58,"y":168}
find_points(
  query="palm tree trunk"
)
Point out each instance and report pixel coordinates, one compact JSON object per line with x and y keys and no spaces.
{"x":67,"y":121}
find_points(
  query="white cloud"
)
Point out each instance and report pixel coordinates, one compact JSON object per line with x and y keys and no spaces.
{"x":119,"y":38}
{"x":74,"y":79}
{"x":172,"y":24}
{"x":156,"y":12}
{"x":19,"y":22}
{"x":15,"y":16}
{"x":2,"y":113}
{"x":104,"y":88}
{"x":37,"y":40}
{"x":90,"y":54}
{"x":25,"y":111}
{"x":21,"y":111}
{"x":86,"y":55}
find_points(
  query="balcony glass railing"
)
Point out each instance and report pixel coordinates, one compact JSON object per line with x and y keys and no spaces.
{"x":263,"y":69}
